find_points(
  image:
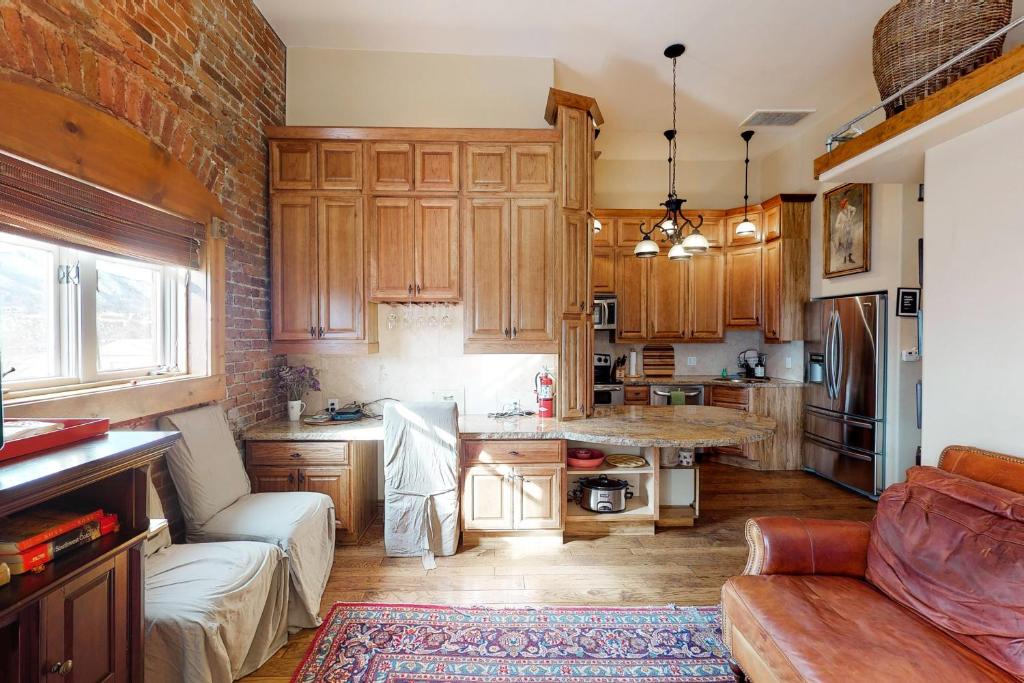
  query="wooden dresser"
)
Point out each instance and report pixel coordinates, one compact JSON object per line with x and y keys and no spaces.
{"x":81,"y":618}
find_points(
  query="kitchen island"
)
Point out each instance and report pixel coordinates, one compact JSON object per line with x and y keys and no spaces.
{"x":515,"y":478}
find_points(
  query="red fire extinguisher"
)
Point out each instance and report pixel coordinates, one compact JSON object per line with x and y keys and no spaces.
{"x":544,"y":388}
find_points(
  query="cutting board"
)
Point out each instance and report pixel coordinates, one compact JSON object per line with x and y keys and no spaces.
{"x":659,"y":360}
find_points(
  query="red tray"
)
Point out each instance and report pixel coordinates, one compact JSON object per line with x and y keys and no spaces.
{"x":75,"y":429}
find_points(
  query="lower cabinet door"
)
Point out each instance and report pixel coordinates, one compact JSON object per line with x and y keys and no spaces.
{"x":537,"y":497}
{"x":334,"y":482}
{"x":271,"y":479}
{"x":85,"y":626}
{"x":487,"y":498}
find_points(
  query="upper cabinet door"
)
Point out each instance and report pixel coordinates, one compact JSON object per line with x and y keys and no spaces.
{"x":603,"y":270}
{"x":773,"y":222}
{"x":631,"y":288}
{"x":391,"y":167}
{"x":486,"y":266}
{"x":437,"y":167}
{"x":392,"y":273}
{"x":743,"y":287}
{"x":340,"y":240}
{"x":666,"y":307}
{"x":341,"y":165}
{"x":574,"y":161}
{"x":487,"y":168}
{"x":293,"y":273}
{"x":605,"y":238}
{"x":573,"y":270}
{"x":533,"y":266}
{"x":712,"y":227}
{"x":533,"y":168}
{"x":706,"y":297}
{"x":574,"y":364}
{"x":732,"y":239}
{"x":437,"y":249}
{"x":292,"y":165}
{"x":627,"y":230}
{"x":772,"y":268}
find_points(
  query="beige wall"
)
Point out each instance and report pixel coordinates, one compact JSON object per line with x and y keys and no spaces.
{"x":359,"y":88}
{"x":973,"y":374}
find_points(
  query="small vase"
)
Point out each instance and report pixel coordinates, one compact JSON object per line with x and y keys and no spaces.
{"x":295,"y":409}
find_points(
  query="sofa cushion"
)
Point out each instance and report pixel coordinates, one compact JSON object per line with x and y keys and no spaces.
{"x":204,"y":463}
{"x":837,"y":628}
{"x":952,"y":549}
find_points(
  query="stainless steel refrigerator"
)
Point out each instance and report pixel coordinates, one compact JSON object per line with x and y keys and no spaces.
{"x":844,"y":397}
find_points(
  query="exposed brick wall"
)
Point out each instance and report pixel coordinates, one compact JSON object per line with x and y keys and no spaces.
{"x":200,"y":78}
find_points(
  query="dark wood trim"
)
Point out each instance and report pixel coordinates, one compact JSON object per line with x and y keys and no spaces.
{"x":978,"y":81}
{"x":489,"y":135}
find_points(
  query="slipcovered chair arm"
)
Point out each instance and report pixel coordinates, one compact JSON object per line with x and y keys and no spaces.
{"x":791,"y":545}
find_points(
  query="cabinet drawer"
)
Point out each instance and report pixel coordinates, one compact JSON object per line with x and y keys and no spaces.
{"x":733,"y":406}
{"x":637,"y":395}
{"x":512,"y":451}
{"x":296,"y":453}
{"x":736,"y":395}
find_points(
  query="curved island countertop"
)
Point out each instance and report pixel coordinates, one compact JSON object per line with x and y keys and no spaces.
{"x":643,"y":426}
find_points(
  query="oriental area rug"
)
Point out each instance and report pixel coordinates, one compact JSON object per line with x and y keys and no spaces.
{"x":376,"y":643}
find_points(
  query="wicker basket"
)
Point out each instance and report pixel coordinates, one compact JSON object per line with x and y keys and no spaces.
{"x":915,"y":36}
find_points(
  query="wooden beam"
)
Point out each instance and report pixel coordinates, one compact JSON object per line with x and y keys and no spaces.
{"x":412,"y":134}
{"x":557,"y":98}
{"x":978,"y":81}
{"x":84,"y":142}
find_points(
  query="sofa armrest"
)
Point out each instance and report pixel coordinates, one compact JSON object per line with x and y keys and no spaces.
{"x":791,"y":545}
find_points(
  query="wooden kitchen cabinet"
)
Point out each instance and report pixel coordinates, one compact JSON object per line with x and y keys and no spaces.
{"x":391,"y":166}
{"x":294,"y":282}
{"x":347,"y":472}
{"x":414,"y":249}
{"x":707,"y":297}
{"x":487,"y":498}
{"x":533,"y":169}
{"x":637,"y":395}
{"x":735,"y":217}
{"x":340,"y":165}
{"x":340,"y":267}
{"x":437,"y":167}
{"x":631,"y":288}
{"x":627,"y":230}
{"x":293,"y":165}
{"x":743,"y":286}
{"x":575,"y":371}
{"x":487,"y":272}
{"x":772,"y":227}
{"x":605,"y":238}
{"x":667,"y":300}
{"x":574,"y":268}
{"x":513,"y":485}
{"x":713,"y":227}
{"x":538,"y":495}
{"x":771,"y":273}
{"x":487,"y":168}
{"x":602,"y":270}
{"x":533,"y":263}
{"x":575,"y":126}
{"x":786,"y":266}
{"x":734,"y":398}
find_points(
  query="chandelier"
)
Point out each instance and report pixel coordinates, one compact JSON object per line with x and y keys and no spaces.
{"x":673,"y":224}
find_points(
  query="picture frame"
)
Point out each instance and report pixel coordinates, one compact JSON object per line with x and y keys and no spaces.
{"x":908,"y":301}
{"x":846,"y":240}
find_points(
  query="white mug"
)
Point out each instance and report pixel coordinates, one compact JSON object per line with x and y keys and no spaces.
{"x":295,"y":410}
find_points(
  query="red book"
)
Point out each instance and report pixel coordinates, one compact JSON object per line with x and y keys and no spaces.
{"x":25,"y":530}
{"x":39,"y":555}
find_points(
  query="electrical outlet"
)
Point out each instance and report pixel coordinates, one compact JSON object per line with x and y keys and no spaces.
{"x":789,"y":362}
{"x":333,"y":404}
{"x":457,"y":395}
{"x":910,"y":355}
{"x":691,"y":361}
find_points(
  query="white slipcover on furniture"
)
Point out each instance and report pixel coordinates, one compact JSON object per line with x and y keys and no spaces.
{"x":214,"y":491}
{"x":421,"y":480}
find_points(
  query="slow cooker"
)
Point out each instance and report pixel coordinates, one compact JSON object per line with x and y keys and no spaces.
{"x":601,"y":494}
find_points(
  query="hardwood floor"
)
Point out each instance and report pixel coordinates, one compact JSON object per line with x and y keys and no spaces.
{"x":681,"y":566}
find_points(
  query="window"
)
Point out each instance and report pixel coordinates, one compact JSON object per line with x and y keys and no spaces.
{"x":71,"y":318}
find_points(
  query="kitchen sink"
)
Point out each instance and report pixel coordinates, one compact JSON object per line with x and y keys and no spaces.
{"x":747,"y":380}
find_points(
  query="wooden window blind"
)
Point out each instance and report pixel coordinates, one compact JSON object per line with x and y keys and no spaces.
{"x":37,"y":202}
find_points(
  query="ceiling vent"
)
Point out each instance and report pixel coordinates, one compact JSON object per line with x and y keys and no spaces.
{"x":776,"y":117}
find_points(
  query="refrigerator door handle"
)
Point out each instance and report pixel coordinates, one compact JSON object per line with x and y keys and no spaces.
{"x":838,"y":448}
{"x":839,"y":417}
{"x":830,"y":357}
{"x":840,"y":352}
{"x":826,"y":351}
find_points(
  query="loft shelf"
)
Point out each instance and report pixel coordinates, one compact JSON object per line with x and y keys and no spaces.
{"x":893,"y":151}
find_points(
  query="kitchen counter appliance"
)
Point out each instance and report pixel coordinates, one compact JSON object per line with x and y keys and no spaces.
{"x":601,"y":494}
{"x":844,"y":397}
{"x":693,"y":394}
{"x":607,"y":392}
{"x":605,"y":312}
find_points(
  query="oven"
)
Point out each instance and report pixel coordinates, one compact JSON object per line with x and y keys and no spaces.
{"x":609,"y":395}
{"x":693,"y":394}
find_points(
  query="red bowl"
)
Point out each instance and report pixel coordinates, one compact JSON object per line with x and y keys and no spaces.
{"x":584,"y":458}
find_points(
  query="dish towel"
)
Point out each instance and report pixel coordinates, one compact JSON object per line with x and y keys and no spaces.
{"x":421,"y":480}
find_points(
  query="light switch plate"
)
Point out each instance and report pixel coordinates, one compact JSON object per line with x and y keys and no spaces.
{"x":910,"y":355}
{"x":333,"y":404}
{"x":789,"y":362}
{"x":691,"y":361}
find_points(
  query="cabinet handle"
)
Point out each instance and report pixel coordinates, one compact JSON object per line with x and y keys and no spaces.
{"x":514,"y":332}
{"x":312,"y":331}
{"x":418,"y":289}
{"x":321,"y":331}
{"x":296,"y":455}
{"x":410,"y":290}
{"x":506,"y":332}
{"x":302,"y":477}
{"x":62,"y":668}
{"x":515,"y":453}
{"x":291,"y":477}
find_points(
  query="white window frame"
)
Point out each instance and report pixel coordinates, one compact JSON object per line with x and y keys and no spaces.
{"x":77,"y":331}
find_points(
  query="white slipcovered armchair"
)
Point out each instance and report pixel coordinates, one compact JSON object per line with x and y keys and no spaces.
{"x":218,"y":505}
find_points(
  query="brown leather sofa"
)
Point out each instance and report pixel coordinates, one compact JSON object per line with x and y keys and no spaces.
{"x":931,"y":590}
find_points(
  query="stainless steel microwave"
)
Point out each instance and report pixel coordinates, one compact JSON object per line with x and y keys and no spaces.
{"x":606,"y":312}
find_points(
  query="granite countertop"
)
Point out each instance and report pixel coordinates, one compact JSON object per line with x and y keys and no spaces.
{"x":709,"y":380}
{"x":643,"y":426}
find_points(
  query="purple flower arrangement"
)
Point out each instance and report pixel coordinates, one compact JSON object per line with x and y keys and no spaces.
{"x":296,"y":381}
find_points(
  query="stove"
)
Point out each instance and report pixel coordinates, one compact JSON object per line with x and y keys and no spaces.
{"x":607,"y":392}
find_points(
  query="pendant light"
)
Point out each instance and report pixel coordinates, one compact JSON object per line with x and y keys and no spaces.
{"x":673,"y":224}
{"x":746,"y":228}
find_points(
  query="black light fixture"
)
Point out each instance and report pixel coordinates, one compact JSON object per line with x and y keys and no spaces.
{"x":673,"y":224}
{"x":746,"y":228}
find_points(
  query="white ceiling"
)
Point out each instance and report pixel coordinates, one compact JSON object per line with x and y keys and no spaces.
{"x":741,"y":55}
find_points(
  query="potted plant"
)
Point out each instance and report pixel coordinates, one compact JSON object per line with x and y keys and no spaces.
{"x":295,"y":381}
